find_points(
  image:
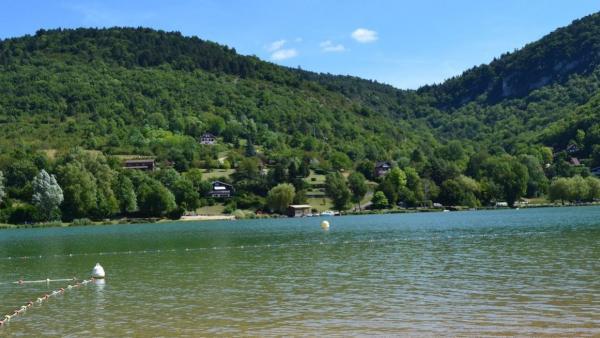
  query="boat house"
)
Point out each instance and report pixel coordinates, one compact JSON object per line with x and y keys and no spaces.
{"x":208,"y":139}
{"x":140,"y":164}
{"x":221,"y":190}
{"x":299,"y":210}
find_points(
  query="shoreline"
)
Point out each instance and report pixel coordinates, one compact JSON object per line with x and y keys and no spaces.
{"x":206,"y":218}
{"x":224,"y":217}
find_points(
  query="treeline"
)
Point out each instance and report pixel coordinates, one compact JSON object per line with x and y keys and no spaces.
{"x":80,"y":184}
{"x":575,"y":189}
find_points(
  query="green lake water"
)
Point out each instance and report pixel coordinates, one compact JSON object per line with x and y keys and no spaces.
{"x":507,"y":272}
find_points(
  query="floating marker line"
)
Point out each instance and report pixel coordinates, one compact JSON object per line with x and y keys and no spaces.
{"x":280,"y":245}
{"x":21,"y":310}
{"x":153,"y":251}
{"x":21,"y":282}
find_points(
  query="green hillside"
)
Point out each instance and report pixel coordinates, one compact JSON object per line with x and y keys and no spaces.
{"x":92,"y":97}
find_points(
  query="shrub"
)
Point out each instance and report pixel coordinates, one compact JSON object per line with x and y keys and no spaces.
{"x":82,"y":221}
{"x":21,"y":214}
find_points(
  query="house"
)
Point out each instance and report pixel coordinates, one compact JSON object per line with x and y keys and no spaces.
{"x":221,"y":190}
{"x":596,"y":171}
{"x":574,"y":161}
{"x":299,"y":210}
{"x":140,"y":164}
{"x":208,"y":139}
{"x":572,"y":148}
{"x":382,"y":168}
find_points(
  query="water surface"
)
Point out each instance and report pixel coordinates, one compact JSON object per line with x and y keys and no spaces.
{"x":526,"y":272}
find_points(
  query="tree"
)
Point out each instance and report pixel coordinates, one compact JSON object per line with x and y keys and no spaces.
{"x":337,"y":189}
{"x":195,"y":177}
{"x":593,"y":188}
{"x":167,"y":177}
{"x":155,"y":200}
{"x":358,"y":186}
{"x":367,"y":168}
{"x":107,"y":204}
{"x":250,"y":151}
{"x":379,"y":200}
{"x":392,"y":185}
{"x":460,"y":191}
{"x":509,"y":174}
{"x":18,"y":177}
{"x":47,"y":196}
{"x":560,"y":189}
{"x":125,"y":194}
{"x":580,"y":188}
{"x":2,"y":192}
{"x":537,"y":183}
{"x":79,"y":189}
{"x":280,"y":197}
{"x":186,"y":195}
{"x":340,"y":160}
{"x":413,"y":193}
{"x":430,"y":189}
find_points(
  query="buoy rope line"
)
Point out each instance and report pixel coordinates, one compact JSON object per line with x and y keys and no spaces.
{"x":151,"y":251}
{"x":263,"y":246}
{"x":48,"y":280}
{"x":21,"y":310}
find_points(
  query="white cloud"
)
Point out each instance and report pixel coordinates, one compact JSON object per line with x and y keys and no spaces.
{"x":276,"y":45}
{"x":283,"y":54}
{"x":328,"y":46}
{"x":364,"y":35}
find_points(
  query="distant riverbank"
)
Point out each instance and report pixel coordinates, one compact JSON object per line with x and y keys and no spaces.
{"x":223,"y":217}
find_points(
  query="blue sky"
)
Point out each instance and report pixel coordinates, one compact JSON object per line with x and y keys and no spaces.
{"x":403,"y":43}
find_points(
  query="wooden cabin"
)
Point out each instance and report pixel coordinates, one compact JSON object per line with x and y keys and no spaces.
{"x":140,"y":164}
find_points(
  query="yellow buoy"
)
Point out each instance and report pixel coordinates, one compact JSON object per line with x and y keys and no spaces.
{"x":325,"y":225}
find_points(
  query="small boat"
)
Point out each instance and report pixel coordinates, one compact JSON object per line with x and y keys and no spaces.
{"x":328,"y":213}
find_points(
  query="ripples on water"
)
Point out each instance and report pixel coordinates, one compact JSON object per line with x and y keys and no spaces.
{"x":526,"y":272}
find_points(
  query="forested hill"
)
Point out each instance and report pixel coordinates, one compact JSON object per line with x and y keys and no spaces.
{"x":76,"y":103}
{"x":74,"y":75}
{"x":574,"y":49}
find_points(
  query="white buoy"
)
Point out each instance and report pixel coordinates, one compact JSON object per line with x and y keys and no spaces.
{"x":98,"y":271}
{"x":325,"y":225}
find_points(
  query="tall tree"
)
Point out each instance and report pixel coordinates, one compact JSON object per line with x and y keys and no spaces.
{"x":358,"y":186}
{"x":280,"y":197}
{"x":2,"y":192}
{"x":79,"y":188}
{"x":560,"y":189}
{"x":47,"y":196}
{"x":337,"y":188}
{"x":392,"y":185}
{"x":125,"y":194}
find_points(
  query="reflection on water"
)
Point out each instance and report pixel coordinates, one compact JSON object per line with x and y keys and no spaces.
{"x":528,"y":272}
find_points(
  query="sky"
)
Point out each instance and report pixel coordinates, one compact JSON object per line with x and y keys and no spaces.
{"x":403,"y":43}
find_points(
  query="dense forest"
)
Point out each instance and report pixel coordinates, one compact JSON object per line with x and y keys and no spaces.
{"x":75,"y":103}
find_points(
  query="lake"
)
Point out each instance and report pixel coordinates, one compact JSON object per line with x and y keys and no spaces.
{"x":505,"y":272}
